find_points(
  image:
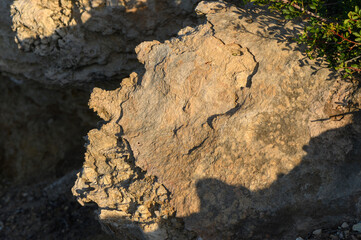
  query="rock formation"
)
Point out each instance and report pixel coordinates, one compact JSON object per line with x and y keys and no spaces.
{"x":229,"y":134}
{"x":76,"y":42}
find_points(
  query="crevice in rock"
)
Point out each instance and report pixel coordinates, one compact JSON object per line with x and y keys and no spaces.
{"x":213,"y":31}
{"x":197,"y":146}
{"x":255,"y":70}
{"x":230,"y":113}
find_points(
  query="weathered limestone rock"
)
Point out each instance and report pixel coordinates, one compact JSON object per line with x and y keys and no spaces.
{"x":223,"y":118}
{"x":139,"y":203}
{"x":74,"y":42}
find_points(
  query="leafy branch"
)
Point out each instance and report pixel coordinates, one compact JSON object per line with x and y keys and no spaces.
{"x":333,"y":30}
{"x":302,"y":9}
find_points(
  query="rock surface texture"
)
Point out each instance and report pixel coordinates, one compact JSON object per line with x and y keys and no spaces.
{"x":131,"y":202}
{"x":219,"y":137}
{"x":74,"y":42}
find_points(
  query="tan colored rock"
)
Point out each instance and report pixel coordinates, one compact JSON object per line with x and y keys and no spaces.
{"x":82,"y":41}
{"x":231,"y":119}
{"x":132,"y":205}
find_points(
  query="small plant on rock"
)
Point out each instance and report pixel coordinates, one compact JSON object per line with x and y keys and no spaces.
{"x":333,"y":30}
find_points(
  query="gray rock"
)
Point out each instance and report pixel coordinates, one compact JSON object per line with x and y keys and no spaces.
{"x":333,"y":237}
{"x":317,"y":232}
{"x":357,"y":227}
{"x":344,"y":225}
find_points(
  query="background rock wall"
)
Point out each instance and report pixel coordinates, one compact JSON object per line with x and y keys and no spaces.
{"x":77,"y":42}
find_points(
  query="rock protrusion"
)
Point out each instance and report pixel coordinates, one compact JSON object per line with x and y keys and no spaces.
{"x":132,"y":204}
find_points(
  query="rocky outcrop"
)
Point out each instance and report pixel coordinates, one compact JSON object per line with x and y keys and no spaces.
{"x":75,"y":42}
{"x":231,"y":131}
{"x":139,"y":204}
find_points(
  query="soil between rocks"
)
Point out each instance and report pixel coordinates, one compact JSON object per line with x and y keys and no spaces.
{"x":334,"y":233}
{"x":46,"y":211}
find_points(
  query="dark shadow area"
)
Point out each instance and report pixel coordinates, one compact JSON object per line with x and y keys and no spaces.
{"x":41,"y":140}
{"x":42,"y":130}
{"x":322,"y":191}
{"x":45,"y":211}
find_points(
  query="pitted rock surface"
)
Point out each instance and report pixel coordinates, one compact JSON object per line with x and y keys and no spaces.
{"x":132,"y":205}
{"x":230,"y":118}
{"x":75,"y":42}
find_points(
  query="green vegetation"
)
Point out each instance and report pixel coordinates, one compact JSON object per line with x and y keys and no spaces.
{"x":333,"y":30}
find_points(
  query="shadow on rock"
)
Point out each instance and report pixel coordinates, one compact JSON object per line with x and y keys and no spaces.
{"x":274,"y":26}
{"x":322,"y":191}
{"x":91,"y":42}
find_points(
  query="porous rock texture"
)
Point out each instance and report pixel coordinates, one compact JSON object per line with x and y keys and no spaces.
{"x":131,"y":203}
{"x":75,"y":42}
{"x":230,"y":131}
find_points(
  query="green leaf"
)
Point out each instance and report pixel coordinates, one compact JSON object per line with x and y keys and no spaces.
{"x":285,"y":11}
{"x":319,"y":37}
{"x":313,"y":6}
